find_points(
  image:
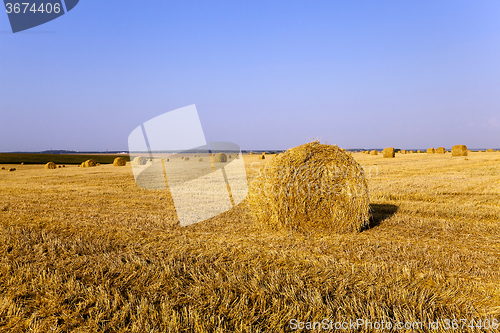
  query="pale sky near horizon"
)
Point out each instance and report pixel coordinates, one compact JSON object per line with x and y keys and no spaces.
{"x":262,"y":74}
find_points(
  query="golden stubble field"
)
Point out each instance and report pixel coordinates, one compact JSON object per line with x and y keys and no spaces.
{"x":86,"y":250}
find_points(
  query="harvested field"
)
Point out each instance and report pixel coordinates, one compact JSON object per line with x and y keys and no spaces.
{"x":86,"y":250}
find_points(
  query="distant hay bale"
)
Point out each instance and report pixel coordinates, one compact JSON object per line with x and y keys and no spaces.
{"x":200,"y":159}
{"x":22,"y":163}
{"x":229,"y":156}
{"x":89,"y":164}
{"x":64,"y":166}
{"x":140,"y":160}
{"x":313,"y":186}
{"x":374,"y":152}
{"x":50,"y":165}
{"x":440,"y":150}
{"x":459,"y":150}
{"x":367,"y":152}
{"x":490,"y":150}
{"x":120,"y":161}
{"x":186,"y":158}
{"x":262,"y":157}
{"x":12,"y":169}
{"x":388,"y":152}
{"x":182,"y":157}
{"x":403,"y":151}
{"x":3,"y":168}
{"x":98,"y":164}
{"x":431,"y":151}
{"x":168,"y":160}
{"x":220,"y":158}
{"x":251,"y":153}
{"x":58,"y":166}
{"x":419,"y":151}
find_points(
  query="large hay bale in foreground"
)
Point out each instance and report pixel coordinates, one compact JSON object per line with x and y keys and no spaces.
{"x":459,"y":150}
{"x":140,"y":160}
{"x":389,"y":152}
{"x":313,"y":186}
{"x":374,"y":152}
{"x":220,"y":157}
{"x":89,"y":164}
{"x":431,"y":151}
{"x":50,"y":165}
{"x":120,"y":161}
{"x":440,"y":150}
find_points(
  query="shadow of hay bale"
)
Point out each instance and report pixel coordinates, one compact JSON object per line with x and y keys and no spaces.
{"x":379,"y":213}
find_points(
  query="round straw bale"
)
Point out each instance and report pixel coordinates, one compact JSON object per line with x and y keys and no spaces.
{"x":3,"y":168}
{"x":388,"y":152}
{"x":312,"y":186}
{"x":374,"y":152}
{"x":64,"y":166}
{"x":440,"y":150}
{"x":367,"y":152}
{"x":22,"y":163}
{"x":431,"y":151}
{"x":89,"y":164}
{"x":262,"y":157}
{"x":402,"y":151}
{"x":251,"y":153}
{"x":12,"y":169}
{"x":419,"y":151}
{"x":140,"y":160}
{"x":50,"y":165}
{"x":98,"y":164}
{"x":120,"y":161}
{"x":200,"y":159}
{"x":490,"y":150}
{"x":459,"y":150}
{"x":220,"y":157}
{"x":168,"y":160}
{"x":186,"y":158}
{"x":229,"y":156}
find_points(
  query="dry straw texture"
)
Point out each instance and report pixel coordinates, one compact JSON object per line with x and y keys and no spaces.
{"x":186,"y":158}
{"x":120,"y":161}
{"x":388,"y":152}
{"x":220,"y":157}
{"x":440,"y":150}
{"x":431,"y":151}
{"x":313,"y":186}
{"x":459,"y":150}
{"x":89,"y":164}
{"x":140,"y":160}
{"x":367,"y":152}
{"x":374,"y":152}
{"x":490,"y":150}
{"x":50,"y":165}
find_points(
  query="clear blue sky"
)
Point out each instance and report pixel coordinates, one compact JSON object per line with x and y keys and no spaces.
{"x":263,"y":74}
